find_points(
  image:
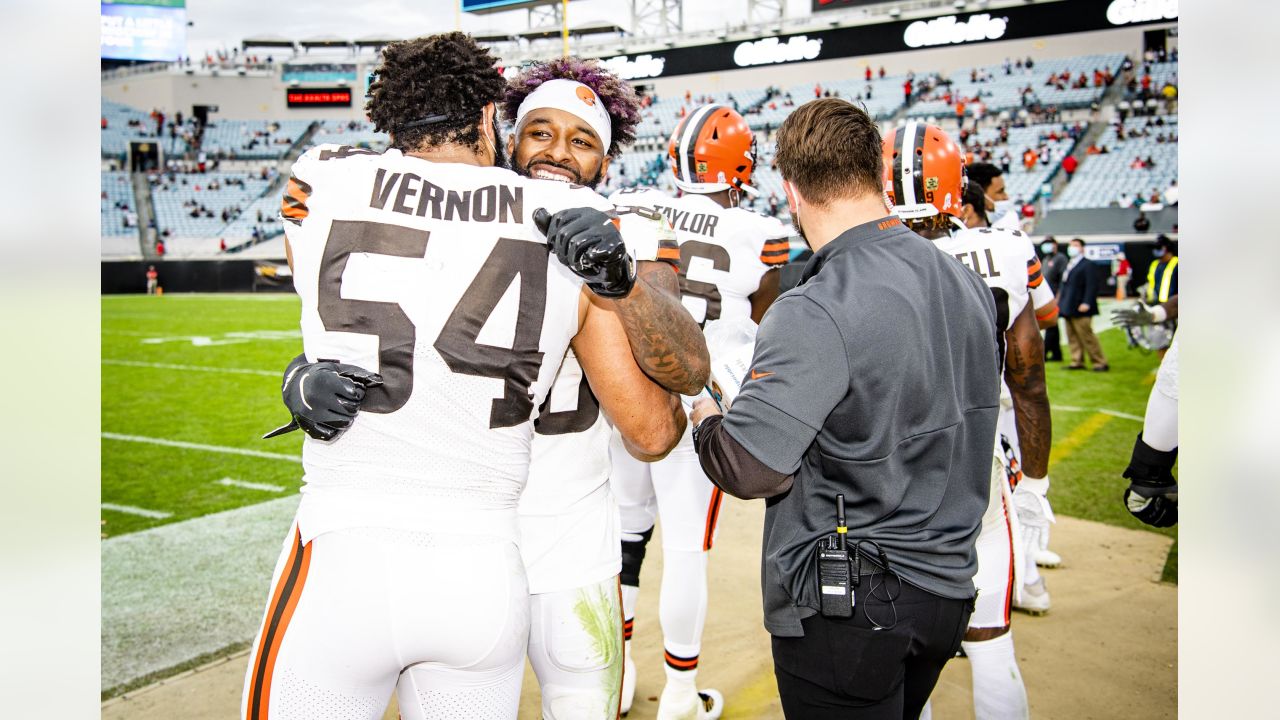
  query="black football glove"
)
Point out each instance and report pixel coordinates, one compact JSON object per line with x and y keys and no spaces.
{"x":1152,"y":495}
{"x":1137,"y":314}
{"x":323,"y":397}
{"x":587,"y":242}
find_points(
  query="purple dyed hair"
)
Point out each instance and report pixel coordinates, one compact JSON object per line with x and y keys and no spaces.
{"x":619,"y":98}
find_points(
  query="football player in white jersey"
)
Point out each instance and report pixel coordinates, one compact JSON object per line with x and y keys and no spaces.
{"x":727,"y":260}
{"x":570,"y":118}
{"x":1029,"y":498}
{"x":424,"y":263}
{"x":925,"y":183}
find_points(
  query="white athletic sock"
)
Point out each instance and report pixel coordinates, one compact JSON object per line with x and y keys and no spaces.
{"x":682,"y":608}
{"x":998,"y":692}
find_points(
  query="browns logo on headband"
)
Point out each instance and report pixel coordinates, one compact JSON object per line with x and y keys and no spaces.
{"x":572,"y":97}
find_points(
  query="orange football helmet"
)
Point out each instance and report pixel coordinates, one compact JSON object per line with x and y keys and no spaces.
{"x":924,"y":172}
{"x":712,"y":149}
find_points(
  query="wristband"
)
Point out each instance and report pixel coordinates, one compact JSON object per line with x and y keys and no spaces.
{"x":1038,"y":486}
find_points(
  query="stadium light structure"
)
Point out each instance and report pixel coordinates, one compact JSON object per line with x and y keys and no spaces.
{"x":958,"y":4}
{"x":895,"y":12}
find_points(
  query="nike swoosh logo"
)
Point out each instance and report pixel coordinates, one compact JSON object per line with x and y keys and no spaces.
{"x":757,"y":375}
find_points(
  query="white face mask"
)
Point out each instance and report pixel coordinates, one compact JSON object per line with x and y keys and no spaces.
{"x":1073,"y":251}
{"x":1002,"y":207}
{"x":1046,"y":248}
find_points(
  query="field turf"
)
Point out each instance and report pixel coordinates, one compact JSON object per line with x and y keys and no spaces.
{"x":205,"y":369}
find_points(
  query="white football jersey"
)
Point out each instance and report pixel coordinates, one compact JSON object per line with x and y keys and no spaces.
{"x":723,"y":251}
{"x":434,"y":275}
{"x":1007,"y":262}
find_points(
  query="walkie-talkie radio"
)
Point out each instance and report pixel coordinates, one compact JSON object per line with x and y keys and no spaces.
{"x":834,"y":582}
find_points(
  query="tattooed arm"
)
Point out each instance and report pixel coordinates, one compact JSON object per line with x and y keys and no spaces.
{"x":1024,"y":373}
{"x":665,"y":341}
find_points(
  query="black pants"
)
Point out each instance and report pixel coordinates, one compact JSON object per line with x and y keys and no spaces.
{"x":843,"y":668}
{"x":1052,"y":344}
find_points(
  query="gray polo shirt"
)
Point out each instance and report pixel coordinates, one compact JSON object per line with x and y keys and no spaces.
{"x":876,"y":378}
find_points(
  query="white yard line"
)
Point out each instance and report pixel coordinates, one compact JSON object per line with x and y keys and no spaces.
{"x":1117,"y":413}
{"x":1104,"y":411}
{"x":193,"y":368}
{"x":153,"y":514}
{"x":265,"y":487}
{"x":198,"y":446}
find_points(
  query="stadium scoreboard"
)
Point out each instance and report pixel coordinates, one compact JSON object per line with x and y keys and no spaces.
{"x":318,"y":97}
{"x":150,"y":30}
{"x":483,"y":7}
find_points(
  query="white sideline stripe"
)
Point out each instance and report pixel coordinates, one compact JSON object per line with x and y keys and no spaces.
{"x":198,"y":446}
{"x":266,"y":487}
{"x":197,"y":368}
{"x":153,"y":514}
{"x":1117,"y":413}
{"x":1104,"y":411}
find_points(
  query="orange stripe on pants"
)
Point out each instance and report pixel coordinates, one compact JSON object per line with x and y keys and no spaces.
{"x":283,"y":602}
{"x":713,"y":514}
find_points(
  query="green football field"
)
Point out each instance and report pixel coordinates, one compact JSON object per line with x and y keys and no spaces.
{"x":191,"y":382}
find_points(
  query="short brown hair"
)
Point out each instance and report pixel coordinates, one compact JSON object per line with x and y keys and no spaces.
{"x":830,"y":148}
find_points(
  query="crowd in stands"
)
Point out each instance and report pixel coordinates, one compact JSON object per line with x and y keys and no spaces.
{"x":1134,"y":162}
{"x":252,"y":139}
{"x":1008,"y":114}
{"x":122,"y":124}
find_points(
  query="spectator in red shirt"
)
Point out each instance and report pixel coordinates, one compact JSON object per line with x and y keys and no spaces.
{"x":160,"y":248}
{"x":1069,"y":165}
{"x":881,"y":72}
{"x":153,"y":279}
{"x":906,"y":91}
{"x":222,"y":244}
{"x":868,"y":73}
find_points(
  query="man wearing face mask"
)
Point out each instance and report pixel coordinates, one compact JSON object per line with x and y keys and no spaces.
{"x":1055,"y":268}
{"x":1078,"y":301}
{"x":1162,"y":274}
{"x":1002,"y":211}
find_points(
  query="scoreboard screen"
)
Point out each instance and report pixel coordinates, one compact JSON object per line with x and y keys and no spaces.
{"x":481,"y":7}
{"x":142,"y":30}
{"x":318,"y":97}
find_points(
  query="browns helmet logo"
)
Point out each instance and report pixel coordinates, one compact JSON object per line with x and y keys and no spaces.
{"x":586,"y":96}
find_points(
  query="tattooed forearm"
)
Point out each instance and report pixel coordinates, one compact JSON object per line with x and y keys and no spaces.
{"x":1024,"y":373}
{"x":665,"y":341}
{"x":1035,"y":425}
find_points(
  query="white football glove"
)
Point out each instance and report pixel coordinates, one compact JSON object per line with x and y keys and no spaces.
{"x":1034,"y":513}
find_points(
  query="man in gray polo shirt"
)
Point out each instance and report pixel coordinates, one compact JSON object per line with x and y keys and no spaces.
{"x":876,"y":379}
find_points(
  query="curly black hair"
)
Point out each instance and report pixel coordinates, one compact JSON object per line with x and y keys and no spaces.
{"x":619,"y":98}
{"x":447,"y":75}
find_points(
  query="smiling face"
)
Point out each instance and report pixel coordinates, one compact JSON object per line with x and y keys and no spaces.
{"x":556,"y":145}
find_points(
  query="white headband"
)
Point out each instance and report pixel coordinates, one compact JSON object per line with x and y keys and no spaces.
{"x":572,"y":97}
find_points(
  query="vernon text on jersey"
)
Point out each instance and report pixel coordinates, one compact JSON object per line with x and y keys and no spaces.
{"x":411,"y":195}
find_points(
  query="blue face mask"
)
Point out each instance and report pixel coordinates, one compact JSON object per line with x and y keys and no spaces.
{"x":1158,"y":253}
{"x":1046,"y":248}
{"x":1073,"y":251}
